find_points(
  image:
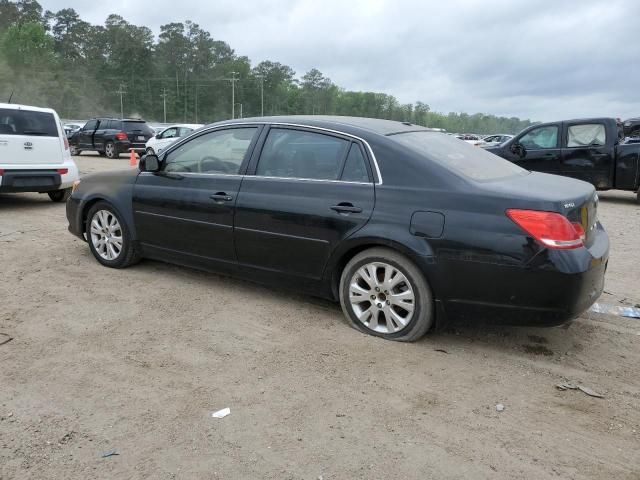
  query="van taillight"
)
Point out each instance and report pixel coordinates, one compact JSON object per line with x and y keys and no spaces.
{"x":1,"y":172}
{"x":549,"y":228}
{"x":63,"y":171}
{"x":66,"y":143}
{"x":121,"y":136}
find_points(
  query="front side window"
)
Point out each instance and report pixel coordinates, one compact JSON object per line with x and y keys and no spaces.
{"x":91,"y":125}
{"x":221,"y":152}
{"x":300,"y":154}
{"x":169,"y":133}
{"x":541,"y":138}
{"x":589,"y":134}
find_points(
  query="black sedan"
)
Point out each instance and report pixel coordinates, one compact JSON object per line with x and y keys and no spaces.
{"x":405,"y":226}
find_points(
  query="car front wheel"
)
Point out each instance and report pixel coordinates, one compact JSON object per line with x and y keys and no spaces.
{"x":73,"y":150}
{"x":109,"y":238}
{"x":383,"y":293}
{"x":150,"y":151}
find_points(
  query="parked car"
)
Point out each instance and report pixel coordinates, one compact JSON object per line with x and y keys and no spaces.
{"x":632,"y":127}
{"x":34,"y":152}
{"x":170,"y":134}
{"x":111,"y":136}
{"x":470,"y":138}
{"x":71,"y":128}
{"x":403,"y":225}
{"x":495,"y":140}
{"x":587,"y":149}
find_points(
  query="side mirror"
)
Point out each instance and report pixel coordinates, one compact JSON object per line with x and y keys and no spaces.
{"x":149,"y":163}
{"x":518,"y":149}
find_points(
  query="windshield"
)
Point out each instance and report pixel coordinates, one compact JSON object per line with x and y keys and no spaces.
{"x":458,"y":156}
{"x":26,"y":122}
{"x":137,"y":127}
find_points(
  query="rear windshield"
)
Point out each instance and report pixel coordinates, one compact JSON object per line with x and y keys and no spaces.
{"x":25,"y":122}
{"x":459,"y":156}
{"x":135,"y":127}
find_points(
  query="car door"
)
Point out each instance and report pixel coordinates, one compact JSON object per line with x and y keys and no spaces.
{"x":542,"y":152}
{"x":309,"y":191}
{"x":185,"y":211}
{"x":85,"y":136}
{"x":104,"y":126}
{"x":586,"y":154}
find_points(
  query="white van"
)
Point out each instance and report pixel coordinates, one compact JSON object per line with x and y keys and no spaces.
{"x":34,"y":152}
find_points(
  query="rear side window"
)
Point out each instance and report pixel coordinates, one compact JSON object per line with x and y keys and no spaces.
{"x":300,"y":154}
{"x":588,"y":134}
{"x":461,"y":158}
{"x":25,"y":122}
{"x":355,"y":168}
{"x":135,"y":127}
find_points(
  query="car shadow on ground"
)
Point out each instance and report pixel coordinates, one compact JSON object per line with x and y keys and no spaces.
{"x":618,"y":197}
{"x":527,"y":342}
{"x":21,"y":201}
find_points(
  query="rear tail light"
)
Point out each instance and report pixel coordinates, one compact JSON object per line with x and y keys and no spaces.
{"x":63,"y":171}
{"x":121,"y":136}
{"x":549,"y":228}
{"x":66,"y":143}
{"x":1,"y":172}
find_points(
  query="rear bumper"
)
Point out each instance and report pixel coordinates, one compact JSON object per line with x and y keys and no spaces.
{"x":554,"y":288}
{"x":125,"y":146}
{"x":16,"y":180}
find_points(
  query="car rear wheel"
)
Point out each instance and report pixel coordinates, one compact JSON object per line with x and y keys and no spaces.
{"x":109,"y":238}
{"x":110,"y":150}
{"x":60,"y":195}
{"x":383,"y":293}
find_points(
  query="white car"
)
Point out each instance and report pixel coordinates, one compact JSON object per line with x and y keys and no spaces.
{"x":169,"y":135}
{"x":494,"y":140}
{"x":34,"y":152}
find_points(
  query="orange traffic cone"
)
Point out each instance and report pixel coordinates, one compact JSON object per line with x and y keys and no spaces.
{"x":133,"y":158}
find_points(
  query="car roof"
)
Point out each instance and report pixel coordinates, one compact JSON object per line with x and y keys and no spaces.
{"x":15,"y":106}
{"x":336,"y":122}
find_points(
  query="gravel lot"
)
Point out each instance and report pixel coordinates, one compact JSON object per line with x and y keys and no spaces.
{"x":136,"y":360}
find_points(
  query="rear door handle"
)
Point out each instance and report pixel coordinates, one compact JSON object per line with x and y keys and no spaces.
{"x":346,"y":208}
{"x":221,"y":197}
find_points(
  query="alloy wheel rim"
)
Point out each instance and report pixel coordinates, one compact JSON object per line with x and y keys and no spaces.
{"x":381,"y":297}
{"x":106,"y":235}
{"x":109,"y":149}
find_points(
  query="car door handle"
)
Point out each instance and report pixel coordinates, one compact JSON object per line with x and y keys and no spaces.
{"x":221,"y":196}
{"x":346,"y":208}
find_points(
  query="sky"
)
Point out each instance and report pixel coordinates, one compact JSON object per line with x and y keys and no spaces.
{"x":538,"y":59}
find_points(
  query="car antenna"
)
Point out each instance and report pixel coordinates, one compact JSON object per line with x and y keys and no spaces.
{"x":11,"y":96}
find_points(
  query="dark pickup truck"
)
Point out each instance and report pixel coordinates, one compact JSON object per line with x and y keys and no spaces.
{"x":588,"y":149}
{"x":111,"y":136}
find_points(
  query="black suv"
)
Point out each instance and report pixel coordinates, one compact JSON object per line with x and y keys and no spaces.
{"x":111,"y":136}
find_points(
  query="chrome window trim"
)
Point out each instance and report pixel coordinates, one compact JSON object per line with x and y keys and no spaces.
{"x":259,"y":177}
{"x":284,"y":124}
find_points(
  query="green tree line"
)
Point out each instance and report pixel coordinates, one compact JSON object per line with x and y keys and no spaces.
{"x":82,"y":70}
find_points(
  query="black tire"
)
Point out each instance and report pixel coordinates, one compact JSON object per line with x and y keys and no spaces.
{"x":638,"y":197}
{"x":111,"y":151}
{"x":73,"y":150}
{"x":59,"y":195}
{"x":423,"y":313}
{"x":128,"y":254}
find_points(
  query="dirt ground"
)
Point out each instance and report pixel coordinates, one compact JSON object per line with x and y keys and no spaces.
{"x":136,"y":360}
